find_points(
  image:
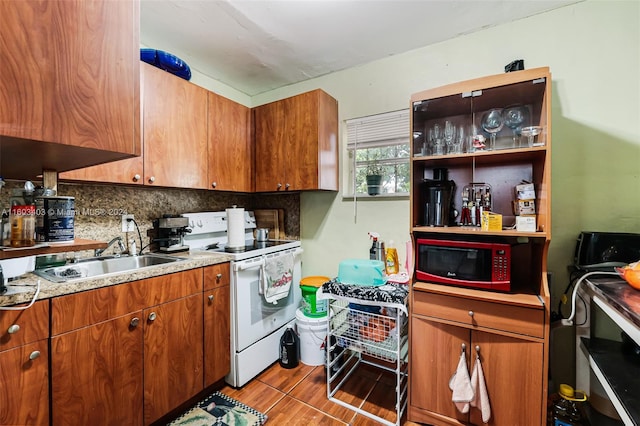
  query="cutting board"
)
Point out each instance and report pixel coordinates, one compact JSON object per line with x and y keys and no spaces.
{"x":269,"y":218}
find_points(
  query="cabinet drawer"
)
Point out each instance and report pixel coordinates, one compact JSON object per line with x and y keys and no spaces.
{"x":21,"y":327}
{"x":478,"y":313}
{"x":217,"y":276}
{"x":90,"y":307}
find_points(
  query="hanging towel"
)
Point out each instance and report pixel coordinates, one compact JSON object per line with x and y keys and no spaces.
{"x":481,"y":396}
{"x":276,"y":275}
{"x":460,"y":384}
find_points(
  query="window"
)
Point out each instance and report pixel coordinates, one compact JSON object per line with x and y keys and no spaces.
{"x":379,"y":143}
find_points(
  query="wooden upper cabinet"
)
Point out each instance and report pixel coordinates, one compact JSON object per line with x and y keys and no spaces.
{"x":296,"y":143}
{"x":70,"y":79}
{"x":230,"y":148}
{"x":175,"y":130}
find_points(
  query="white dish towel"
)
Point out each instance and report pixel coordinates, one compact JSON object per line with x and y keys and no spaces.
{"x":460,"y":384}
{"x":481,"y":396}
{"x":276,"y":275}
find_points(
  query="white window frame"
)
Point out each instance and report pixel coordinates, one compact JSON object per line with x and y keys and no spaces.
{"x":377,"y":131}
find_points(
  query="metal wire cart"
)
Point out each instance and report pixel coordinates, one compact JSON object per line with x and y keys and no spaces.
{"x":367,"y":325}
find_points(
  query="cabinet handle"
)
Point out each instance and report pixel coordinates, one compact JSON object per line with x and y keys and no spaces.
{"x":478,"y":350}
{"x":471,"y":314}
{"x":152,"y":316}
{"x":211,"y":298}
{"x":279,"y":185}
{"x":214,"y":184}
{"x":287,"y":186}
{"x":14,"y":329}
{"x":134,"y":322}
{"x":152,"y":179}
{"x":34,"y":355}
{"x":464,"y":348}
{"x":218,"y":277}
{"x":136,"y":177}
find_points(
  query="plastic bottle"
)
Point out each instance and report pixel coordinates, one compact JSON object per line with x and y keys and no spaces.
{"x":289,"y":348}
{"x":391,"y":262}
{"x":564,"y":408}
{"x":376,"y":252}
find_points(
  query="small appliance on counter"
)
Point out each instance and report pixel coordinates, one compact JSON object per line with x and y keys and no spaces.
{"x":439,"y":193}
{"x":603,"y":251}
{"x":170,"y":231}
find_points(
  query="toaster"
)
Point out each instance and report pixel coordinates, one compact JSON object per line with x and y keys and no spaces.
{"x":602,"y":251}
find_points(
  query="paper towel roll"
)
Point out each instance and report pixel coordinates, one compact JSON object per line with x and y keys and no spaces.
{"x":235,"y":227}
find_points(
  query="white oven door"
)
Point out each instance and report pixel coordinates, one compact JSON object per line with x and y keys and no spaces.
{"x":253,"y":317}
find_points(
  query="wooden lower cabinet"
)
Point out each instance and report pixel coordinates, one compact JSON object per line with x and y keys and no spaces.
{"x":513,"y":370}
{"x":217,"y":323}
{"x":24,"y":367}
{"x":128,"y":353}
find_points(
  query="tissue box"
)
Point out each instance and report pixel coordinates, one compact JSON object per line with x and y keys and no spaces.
{"x":525,"y":191}
{"x":526,"y":223}
{"x":361,"y":272}
{"x":491,"y":221}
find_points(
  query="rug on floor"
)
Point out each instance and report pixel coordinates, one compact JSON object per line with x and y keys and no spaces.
{"x":220,"y":410}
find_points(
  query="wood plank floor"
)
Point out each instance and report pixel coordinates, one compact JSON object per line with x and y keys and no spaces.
{"x":298,"y":396}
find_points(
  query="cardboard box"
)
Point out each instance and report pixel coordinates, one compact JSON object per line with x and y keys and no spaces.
{"x":524,"y":207}
{"x":491,"y":221}
{"x":526,"y":223}
{"x":525,"y":191}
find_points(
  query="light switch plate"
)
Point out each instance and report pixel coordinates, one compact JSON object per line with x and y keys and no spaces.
{"x":128,"y":226}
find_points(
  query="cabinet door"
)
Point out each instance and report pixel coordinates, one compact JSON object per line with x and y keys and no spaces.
{"x":96,"y":374}
{"x":123,"y":171}
{"x":175,"y":130}
{"x":514,"y":376}
{"x":71,"y":73}
{"x":270,"y":141}
{"x":435,"y":353}
{"x":172,"y":355}
{"x":217,"y":334}
{"x":24,"y":375}
{"x":230,"y":148}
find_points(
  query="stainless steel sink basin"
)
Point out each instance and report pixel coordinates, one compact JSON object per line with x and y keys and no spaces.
{"x":101,"y":266}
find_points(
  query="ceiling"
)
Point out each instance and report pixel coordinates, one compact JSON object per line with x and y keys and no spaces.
{"x":259,"y":45}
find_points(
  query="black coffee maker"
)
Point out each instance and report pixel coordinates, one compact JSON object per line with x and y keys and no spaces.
{"x":439,"y":192}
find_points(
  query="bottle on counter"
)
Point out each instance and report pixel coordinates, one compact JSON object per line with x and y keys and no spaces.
{"x":23,"y":225}
{"x":391,"y":263}
{"x":376,"y":252}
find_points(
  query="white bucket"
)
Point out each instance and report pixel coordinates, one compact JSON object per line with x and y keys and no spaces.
{"x":312,"y":333}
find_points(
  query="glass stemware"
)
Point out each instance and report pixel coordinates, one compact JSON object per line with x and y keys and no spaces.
{"x":492,"y":123}
{"x":449,"y":136}
{"x":514,"y":116}
{"x":531,"y":132}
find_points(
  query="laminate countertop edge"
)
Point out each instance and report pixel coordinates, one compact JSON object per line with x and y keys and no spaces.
{"x":22,"y":289}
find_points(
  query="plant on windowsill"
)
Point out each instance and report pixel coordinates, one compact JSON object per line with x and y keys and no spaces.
{"x":374,"y":177}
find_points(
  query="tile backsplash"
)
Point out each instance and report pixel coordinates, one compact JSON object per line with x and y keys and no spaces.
{"x":98,"y":208}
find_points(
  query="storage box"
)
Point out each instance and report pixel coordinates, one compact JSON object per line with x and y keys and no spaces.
{"x":361,"y":272}
{"x":491,"y":221}
{"x":525,"y":191}
{"x":526,"y":223}
{"x":524,"y":207}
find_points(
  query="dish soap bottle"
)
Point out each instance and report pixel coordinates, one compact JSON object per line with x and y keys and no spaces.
{"x":391,"y":263}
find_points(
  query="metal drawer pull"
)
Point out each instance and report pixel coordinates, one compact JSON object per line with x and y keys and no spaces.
{"x":219,"y":277}
{"x":134,"y":322}
{"x":464,"y":347}
{"x":34,"y":355}
{"x":471,"y":313}
{"x":152,"y":316}
{"x":211,"y":298}
{"x":478,"y":350}
{"x":14,"y":329}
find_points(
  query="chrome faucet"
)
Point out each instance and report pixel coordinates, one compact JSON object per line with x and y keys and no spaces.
{"x":98,"y":252}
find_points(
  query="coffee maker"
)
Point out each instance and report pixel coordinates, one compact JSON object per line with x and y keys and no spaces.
{"x":170,"y":232}
{"x":439,"y":194}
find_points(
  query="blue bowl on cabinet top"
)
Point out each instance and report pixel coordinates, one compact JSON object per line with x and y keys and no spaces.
{"x":166,"y":61}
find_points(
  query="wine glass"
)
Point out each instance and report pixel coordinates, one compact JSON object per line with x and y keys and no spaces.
{"x":514,"y":116}
{"x":436,"y":140}
{"x":531,"y":132}
{"x":492,"y":123}
{"x":449,"y":136}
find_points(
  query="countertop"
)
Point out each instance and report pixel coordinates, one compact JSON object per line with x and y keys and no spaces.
{"x":21,"y":290}
{"x":619,"y":294}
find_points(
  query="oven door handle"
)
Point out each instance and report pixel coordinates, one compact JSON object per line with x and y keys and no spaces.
{"x":244,"y":266}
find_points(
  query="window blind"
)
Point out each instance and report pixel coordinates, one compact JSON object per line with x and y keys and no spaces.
{"x":389,"y":128}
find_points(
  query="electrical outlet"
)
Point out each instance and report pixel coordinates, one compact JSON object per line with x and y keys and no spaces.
{"x":128,"y":225}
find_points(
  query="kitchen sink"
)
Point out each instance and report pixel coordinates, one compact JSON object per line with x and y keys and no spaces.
{"x":97,"y":267}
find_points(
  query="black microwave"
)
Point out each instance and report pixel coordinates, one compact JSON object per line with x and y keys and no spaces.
{"x":464,"y":263}
{"x":602,"y":251}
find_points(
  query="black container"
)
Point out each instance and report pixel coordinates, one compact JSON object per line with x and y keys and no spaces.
{"x":439,"y":194}
{"x":289,"y":348}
